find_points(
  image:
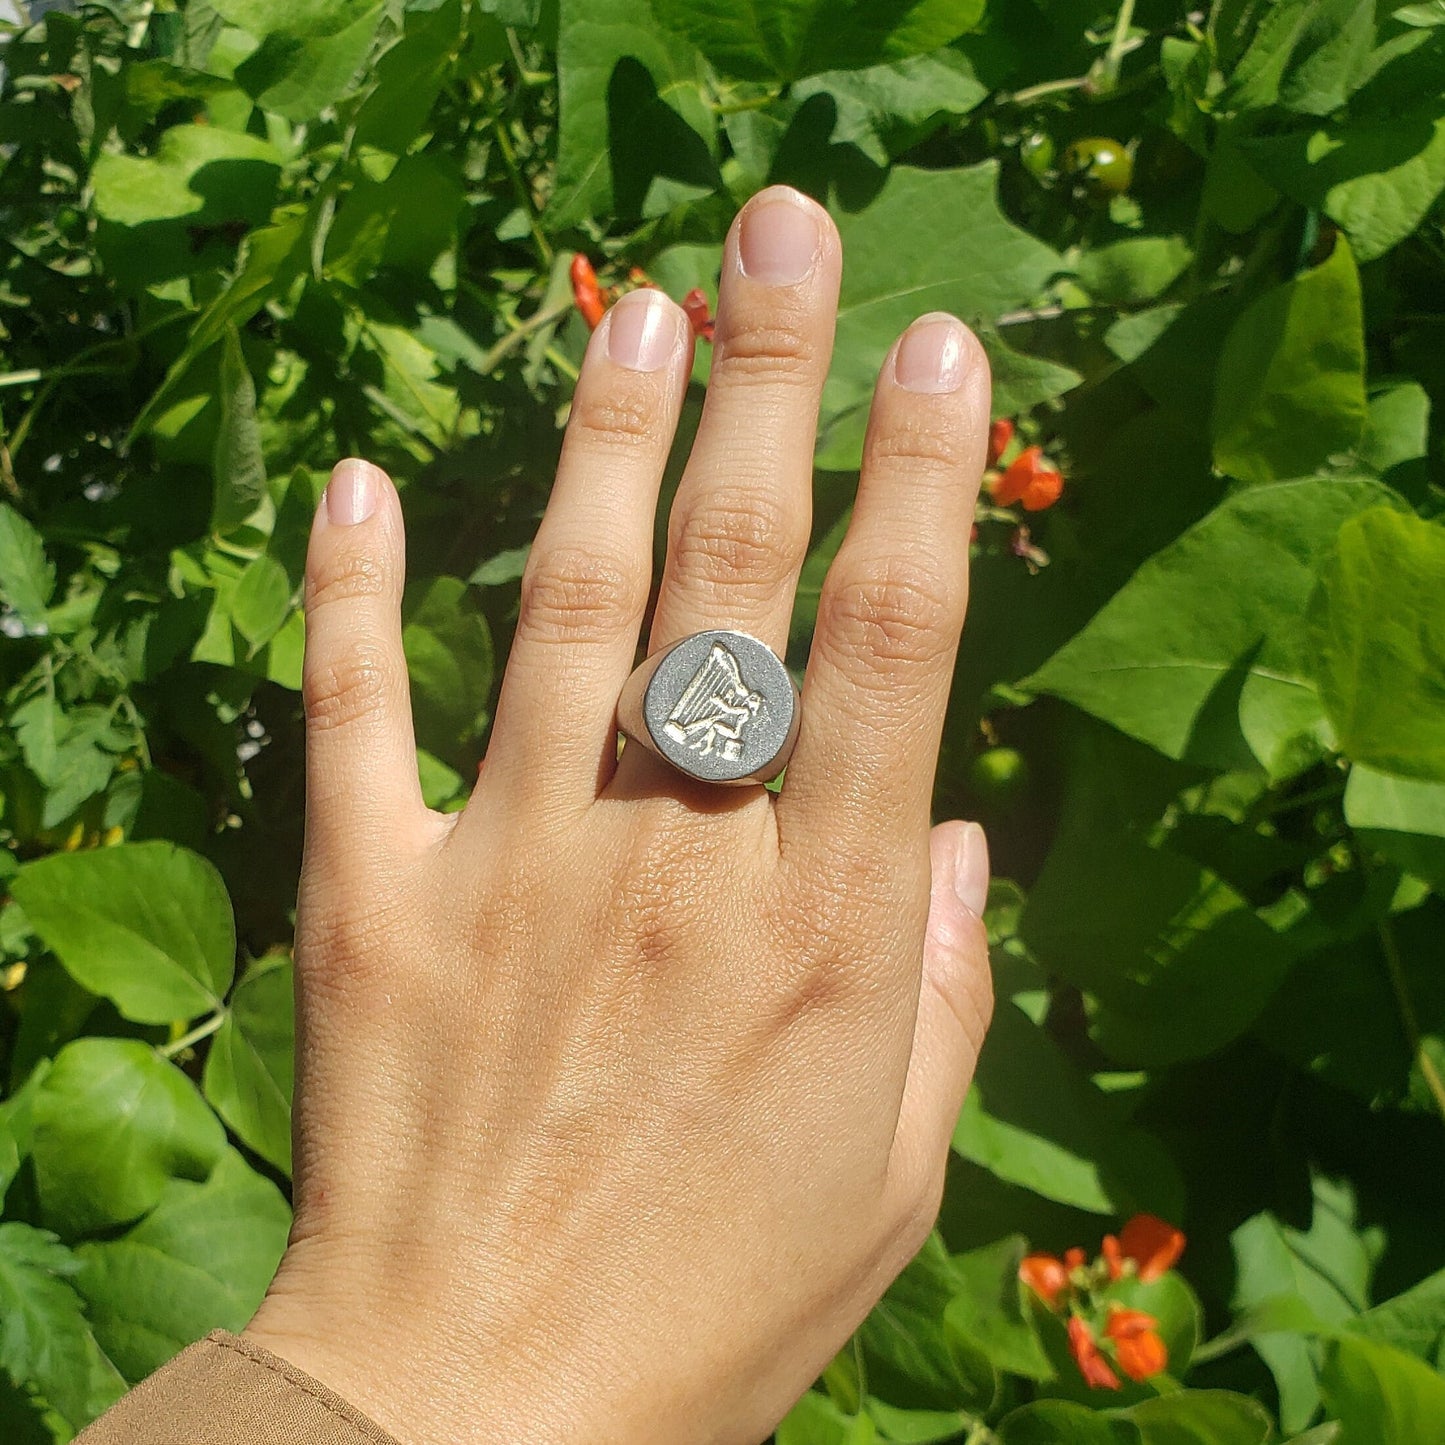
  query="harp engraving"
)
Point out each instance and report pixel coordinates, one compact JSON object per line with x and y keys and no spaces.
{"x":715,"y":708}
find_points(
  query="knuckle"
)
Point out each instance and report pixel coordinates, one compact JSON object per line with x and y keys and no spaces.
{"x":337,"y":692}
{"x":340,"y":948}
{"x":898,"y":611}
{"x":752,"y":539}
{"x":772,"y":347}
{"x":927,"y":445}
{"x":571,"y":592}
{"x":615,"y":415}
{"x":348,"y":577}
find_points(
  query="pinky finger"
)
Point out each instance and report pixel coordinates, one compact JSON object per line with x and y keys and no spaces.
{"x":954,"y":1007}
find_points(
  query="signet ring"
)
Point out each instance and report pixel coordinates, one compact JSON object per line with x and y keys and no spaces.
{"x":719,"y":706}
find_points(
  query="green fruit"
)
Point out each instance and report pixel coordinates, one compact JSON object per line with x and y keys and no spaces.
{"x":999,"y":775}
{"x":1103,"y":166}
{"x":1036,"y":151}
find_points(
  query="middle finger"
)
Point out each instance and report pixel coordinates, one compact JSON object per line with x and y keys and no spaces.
{"x":739,"y":526}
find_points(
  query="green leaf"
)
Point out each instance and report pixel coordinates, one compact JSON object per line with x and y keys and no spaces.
{"x":1290,"y":390}
{"x":1413,"y":1321}
{"x":1326,"y":1268}
{"x":988,"y":1309}
{"x":407,"y":220}
{"x":1033,"y":1119}
{"x":1305,"y":55}
{"x":1402,"y":818}
{"x":239,"y":466}
{"x":1378,"y":633}
{"x":200,"y":1260}
{"x":1200,"y":1417}
{"x":1376,"y":178}
{"x":450,"y":661}
{"x":636,"y":137}
{"x":163,"y":215}
{"x":505,"y":567}
{"x":45,"y":1340}
{"x":27,"y":577}
{"x":816,"y":1420}
{"x":250,"y":1068}
{"x":299,"y":70}
{"x":1133,"y":270}
{"x":146,"y":925}
{"x":793,"y":38}
{"x":1203,"y":653}
{"x":929,"y":240}
{"x":409,"y":77}
{"x":1062,"y":1422}
{"x":114,"y":1123}
{"x":1381,"y":1396}
{"x":261,"y":601}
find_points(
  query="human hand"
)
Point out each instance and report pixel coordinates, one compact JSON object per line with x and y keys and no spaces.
{"x":621,"y":1099}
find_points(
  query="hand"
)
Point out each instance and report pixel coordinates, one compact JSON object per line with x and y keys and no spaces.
{"x":620,"y":1098}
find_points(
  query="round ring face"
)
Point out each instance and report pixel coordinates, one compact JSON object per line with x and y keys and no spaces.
{"x":722,"y":708}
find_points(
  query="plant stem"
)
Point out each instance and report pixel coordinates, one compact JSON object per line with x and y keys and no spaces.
{"x":1117,"y":44}
{"x":524,"y":193}
{"x":1409,"y":1020}
{"x":202,"y":1030}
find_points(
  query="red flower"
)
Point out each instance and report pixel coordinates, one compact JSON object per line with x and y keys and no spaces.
{"x":586,"y":291}
{"x":1000,"y":434}
{"x":1152,"y":1244}
{"x":1046,"y":1275}
{"x":1137,"y":1345}
{"x":1074,"y":1258}
{"x":695,"y":304}
{"x":1092,"y":1364}
{"x":1113,"y":1256}
{"x":1029,"y":479}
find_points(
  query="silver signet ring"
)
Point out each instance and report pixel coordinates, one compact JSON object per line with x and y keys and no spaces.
{"x":719,"y":706}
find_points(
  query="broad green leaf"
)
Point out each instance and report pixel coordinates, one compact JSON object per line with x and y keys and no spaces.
{"x":249,"y":1069}
{"x":1397,"y":437}
{"x":1133,"y":270}
{"x":261,"y":601}
{"x":916,"y":1427}
{"x":1337,"y":1015}
{"x":159,"y":214}
{"x":17,"y":1124}
{"x":45,"y":1339}
{"x":988,"y":1309}
{"x":636,"y":137}
{"x":929,"y":240}
{"x":912,"y":1357}
{"x":1375,"y":177}
{"x":1403,"y":818}
{"x":1200,"y":1417}
{"x":1033,"y":1119}
{"x":146,"y":925}
{"x":1305,"y":55}
{"x":408,"y":221}
{"x":1327,"y":1268}
{"x":1022,"y":382}
{"x":1413,"y":1321}
{"x":200,"y":1260}
{"x":306,"y":65}
{"x":239,"y":468}
{"x":816,"y":1420}
{"x":1290,"y":390}
{"x":449,"y":658}
{"x":114,"y":1123}
{"x":793,"y":38}
{"x":1203,"y":653}
{"x":261,"y":18}
{"x":505,"y":567}
{"x":1062,"y":1422}
{"x":1382,"y":1396}
{"x":1377,"y":629}
{"x":1178,"y":962}
{"x":409,"y":76}
{"x":27,"y":577}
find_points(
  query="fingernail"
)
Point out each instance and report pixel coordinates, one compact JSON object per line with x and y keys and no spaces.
{"x":643,"y":331}
{"x":778,"y":238}
{"x":930,"y":356}
{"x":970,"y":869}
{"x":353,"y":491}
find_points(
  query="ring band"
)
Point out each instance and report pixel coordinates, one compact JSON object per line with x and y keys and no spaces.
{"x":719,"y":706}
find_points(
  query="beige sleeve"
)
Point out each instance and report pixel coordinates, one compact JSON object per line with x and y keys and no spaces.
{"x":225,"y":1390}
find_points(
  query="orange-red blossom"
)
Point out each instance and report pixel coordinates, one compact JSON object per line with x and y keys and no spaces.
{"x":1030,"y":480}
{"x":592,"y":300}
{"x":1146,"y":1247}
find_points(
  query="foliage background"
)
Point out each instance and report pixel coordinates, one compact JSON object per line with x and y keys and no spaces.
{"x":244,"y":238}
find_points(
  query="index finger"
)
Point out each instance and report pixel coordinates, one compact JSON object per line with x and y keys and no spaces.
{"x":893,"y":603}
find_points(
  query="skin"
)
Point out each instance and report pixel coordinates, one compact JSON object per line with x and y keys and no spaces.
{"x":621,"y":1099}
